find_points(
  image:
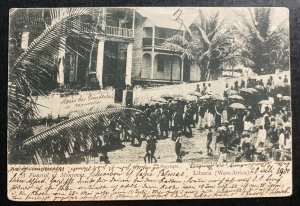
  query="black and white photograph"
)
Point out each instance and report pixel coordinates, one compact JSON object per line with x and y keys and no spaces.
{"x":119,"y":85}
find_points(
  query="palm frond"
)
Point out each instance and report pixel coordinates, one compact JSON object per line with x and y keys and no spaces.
{"x":40,"y":57}
{"x":94,"y":124}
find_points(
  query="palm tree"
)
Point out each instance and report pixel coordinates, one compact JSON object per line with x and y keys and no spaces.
{"x":34,"y":148}
{"x":35,"y":64}
{"x":209,"y":44}
{"x":268,"y":47}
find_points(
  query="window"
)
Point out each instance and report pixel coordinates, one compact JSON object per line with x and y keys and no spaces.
{"x":160,"y":63}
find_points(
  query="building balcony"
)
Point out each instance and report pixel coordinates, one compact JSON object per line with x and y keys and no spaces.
{"x":32,"y":21}
{"x":87,"y":28}
{"x":148,"y":42}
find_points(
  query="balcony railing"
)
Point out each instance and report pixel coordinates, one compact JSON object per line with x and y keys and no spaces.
{"x":83,"y":27}
{"x":32,"y":21}
{"x":116,"y":31}
{"x":105,"y":30}
{"x":147,"y":42}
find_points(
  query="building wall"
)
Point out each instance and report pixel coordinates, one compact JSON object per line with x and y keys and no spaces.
{"x":146,"y":66}
{"x":137,"y":54}
{"x":166,"y":74}
{"x":142,"y":67}
{"x":195,"y":74}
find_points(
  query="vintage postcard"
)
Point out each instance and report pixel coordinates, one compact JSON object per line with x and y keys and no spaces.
{"x":137,"y":103}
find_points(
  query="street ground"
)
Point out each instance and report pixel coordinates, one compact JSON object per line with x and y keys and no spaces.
{"x":194,"y":149}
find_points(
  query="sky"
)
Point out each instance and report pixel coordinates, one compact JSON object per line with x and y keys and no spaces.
{"x":229,"y":14}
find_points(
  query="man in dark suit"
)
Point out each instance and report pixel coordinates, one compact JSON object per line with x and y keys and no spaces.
{"x":177,"y":123}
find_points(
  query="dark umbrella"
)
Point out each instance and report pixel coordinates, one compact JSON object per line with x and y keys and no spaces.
{"x":166,"y":96}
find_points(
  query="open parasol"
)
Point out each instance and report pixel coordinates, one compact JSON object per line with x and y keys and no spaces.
{"x":286,"y":98}
{"x":191,"y":98}
{"x":182,"y":99}
{"x":205,"y":97}
{"x":237,"y":106}
{"x":159,"y":99}
{"x":218,"y":97}
{"x":236,"y":97}
{"x":197,"y":94}
{"x":264,"y":102}
{"x":248,"y":90}
{"x":231,"y":92}
{"x":260,"y":87}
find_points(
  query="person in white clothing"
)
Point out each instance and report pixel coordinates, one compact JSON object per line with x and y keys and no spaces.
{"x":281,"y":140}
{"x":261,"y":136}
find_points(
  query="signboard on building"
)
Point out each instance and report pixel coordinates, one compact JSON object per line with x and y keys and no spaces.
{"x":60,"y":105}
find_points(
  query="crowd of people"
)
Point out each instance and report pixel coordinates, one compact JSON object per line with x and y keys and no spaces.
{"x":257,"y":128}
{"x":251,"y":121}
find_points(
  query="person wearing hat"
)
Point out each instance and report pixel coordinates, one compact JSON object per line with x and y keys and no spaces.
{"x":266,"y":120}
{"x":204,"y":89}
{"x":248,"y":125}
{"x":226,"y":135}
{"x":281,"y":140}
{"x":288,"y":142}
{"x":208,"y":142}
{"x":178,"y":146}
{"x":164,"y":123}
{"x":209,"y":90}
{"x":176,"y":124}
{"x":261,"y":136}
{"x":187,"y":123}
{"x":197,"y":88}
{"x":201,"y":112}
{"x":247,"y":146}
{"x":285,"y":80}
{"x":150,"y":149}
{"x":273,"y":136}
{"x":222,"y":156}
{"x":219,"y":139}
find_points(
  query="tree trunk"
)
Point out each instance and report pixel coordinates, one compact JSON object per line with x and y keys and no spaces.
{"x":202,"y":74}
{"x":205,"y":72}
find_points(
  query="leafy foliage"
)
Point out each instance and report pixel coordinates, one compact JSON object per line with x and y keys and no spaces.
{"x":209,"y":44}
{"x":93,"y":124}
{"x":268,"y":48}
{"x":37,"y":63}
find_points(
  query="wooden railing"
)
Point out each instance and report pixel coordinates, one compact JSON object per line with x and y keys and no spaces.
{"x":83,"y":27}
{"x":32,"y":20}
{"x":117,"y":31}
{"x":105,"y":30}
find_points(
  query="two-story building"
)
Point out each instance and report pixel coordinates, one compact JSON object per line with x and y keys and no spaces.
{"x":127,"y":48}
{"x":152,"y":62}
